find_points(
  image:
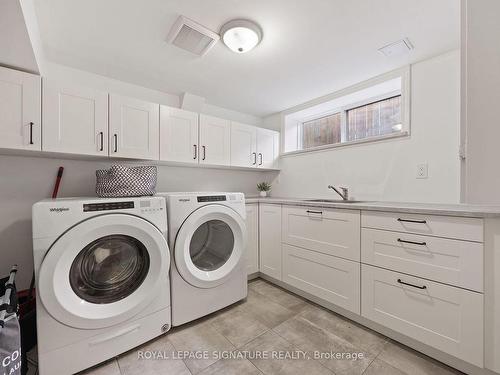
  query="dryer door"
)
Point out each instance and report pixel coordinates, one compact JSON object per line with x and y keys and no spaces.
{"x":103,"y":271}
{"x":209,"y":245}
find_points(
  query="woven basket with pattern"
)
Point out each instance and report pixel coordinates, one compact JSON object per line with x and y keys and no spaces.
{"x":123,"y":181}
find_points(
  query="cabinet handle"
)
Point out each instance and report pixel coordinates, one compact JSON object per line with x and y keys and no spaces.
{"x":254,"y":158}
{"x":412,"y":242}
{"x":101,"y":134}
{"x":204,"y":152}
{"x":314,"y":212}
{"x":31,"y":133}
{"x":116,"y":142}
{"x":413,"y":221}
{"x":195,"y":152}
{"x":412,"y":285}
{"x":260,"y":157}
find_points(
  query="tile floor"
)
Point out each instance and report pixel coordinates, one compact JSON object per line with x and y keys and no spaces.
{"x":272,"y":320}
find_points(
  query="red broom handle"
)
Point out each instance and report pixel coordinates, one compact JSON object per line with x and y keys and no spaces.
{"x":58,"y":181}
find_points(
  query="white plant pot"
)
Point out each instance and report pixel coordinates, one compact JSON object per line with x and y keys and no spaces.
{"x":263,"y":194}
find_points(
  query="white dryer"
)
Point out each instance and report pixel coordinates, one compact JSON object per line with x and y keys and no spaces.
{"x":102,"y":281}
{"x":207,"y":236}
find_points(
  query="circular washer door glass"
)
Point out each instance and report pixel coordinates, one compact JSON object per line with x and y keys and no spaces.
{"x":211,"y":245}
{"x":109,"y":269}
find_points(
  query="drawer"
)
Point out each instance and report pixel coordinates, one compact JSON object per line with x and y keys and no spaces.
{"x":462,"y":228}
{"x":447,"y":318}
{"x":332,"y":279}
{"x":329,"y":231}
{"x":454,"y":262}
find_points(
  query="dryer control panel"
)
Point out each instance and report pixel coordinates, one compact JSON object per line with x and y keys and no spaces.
{"x":211,"y":198}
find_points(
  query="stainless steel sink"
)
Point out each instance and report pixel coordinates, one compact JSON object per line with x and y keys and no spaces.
{"x":333,"y":201}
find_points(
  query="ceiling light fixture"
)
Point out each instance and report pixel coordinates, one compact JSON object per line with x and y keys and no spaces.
{"x":241,"y":36}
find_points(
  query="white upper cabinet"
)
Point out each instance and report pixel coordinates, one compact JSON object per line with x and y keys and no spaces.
{"x":267,"y":148}
{"x":134,"y":127}
{"x":243,"y":145}
{"x":178,"y":135}
{"x":20,"y":98}
{"x":75,"y":120}
{"x":215,"y":140}
{"x":253,"y":147}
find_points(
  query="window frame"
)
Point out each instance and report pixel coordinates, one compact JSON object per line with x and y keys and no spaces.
{"x":405,"y":92}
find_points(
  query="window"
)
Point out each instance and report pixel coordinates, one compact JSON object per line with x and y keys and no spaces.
{"x":323,"y":131}
{"x":373,"y":110}
{"x":374,"y":119}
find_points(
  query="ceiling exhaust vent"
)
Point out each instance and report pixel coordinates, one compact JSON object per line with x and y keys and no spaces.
{"x":397,"y":48}
{"x":192,"y":37}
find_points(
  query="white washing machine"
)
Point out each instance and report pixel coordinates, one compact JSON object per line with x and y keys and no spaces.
{"x":102,"y":279}
{"x":207,"y":235}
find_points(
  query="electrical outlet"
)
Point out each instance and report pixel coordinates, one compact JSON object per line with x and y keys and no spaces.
{"x":422,"y":171}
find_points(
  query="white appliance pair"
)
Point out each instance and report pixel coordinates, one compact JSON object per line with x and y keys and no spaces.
{"x":102,"y":271}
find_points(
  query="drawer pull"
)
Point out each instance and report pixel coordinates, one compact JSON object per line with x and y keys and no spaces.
{"x":412,"y":242}
{"x":314,"y":212}
{"x":412,"y":285}
{"x":412,"y":221}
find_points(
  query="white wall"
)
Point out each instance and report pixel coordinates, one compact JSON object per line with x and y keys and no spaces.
{"x":386,"y":170}
{"x":64,"y":74}
{"x":480,"y":101}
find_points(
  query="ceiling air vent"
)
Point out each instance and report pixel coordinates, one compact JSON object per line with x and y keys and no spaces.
{"x":397,"y":48}
{"x":192,"y":37}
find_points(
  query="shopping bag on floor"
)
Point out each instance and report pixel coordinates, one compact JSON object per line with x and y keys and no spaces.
{"x":10,"y":347}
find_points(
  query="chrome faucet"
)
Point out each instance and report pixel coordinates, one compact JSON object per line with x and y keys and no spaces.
{"x":344,"y":194}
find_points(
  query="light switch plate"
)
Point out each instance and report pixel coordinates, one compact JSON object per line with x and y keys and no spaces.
{"x":422,"y":170}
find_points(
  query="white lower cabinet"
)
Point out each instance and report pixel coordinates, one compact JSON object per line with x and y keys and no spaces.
{"x":252,"y":249}
{"x":329,"y":231}
{"x":330,"y":278}
{"x":270,"y":240}
{"x":454,"y":262}
{"x":447,"y":318}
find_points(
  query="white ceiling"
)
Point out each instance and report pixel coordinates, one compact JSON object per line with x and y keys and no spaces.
{"x":310,"y":47}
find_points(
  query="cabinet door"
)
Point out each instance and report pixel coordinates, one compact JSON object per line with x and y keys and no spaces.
{"x":243,"y":145}
{"x":215,"y":140}
{"x":134,"y":127}
{"x":447,"y":318}
{"x":20,"y":125}
{"x":270,"y":240}
{"x":266,"y":148}
{"x":178,"y":135}
{"x":325,"y":230}
{"x":332,"y":279}
{"x":75,"y":120}
{"x":252,"y":250}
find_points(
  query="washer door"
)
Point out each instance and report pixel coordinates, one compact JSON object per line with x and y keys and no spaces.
{"x":103,"y":271}
{"x":209,"y":245}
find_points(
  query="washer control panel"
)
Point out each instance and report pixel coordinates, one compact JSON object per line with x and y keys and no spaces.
{"x":107,"y":206}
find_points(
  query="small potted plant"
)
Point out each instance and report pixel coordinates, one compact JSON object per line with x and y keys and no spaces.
{"x":264,"y":188}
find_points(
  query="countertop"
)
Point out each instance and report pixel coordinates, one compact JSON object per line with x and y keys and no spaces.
{"x":462,"y":210}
